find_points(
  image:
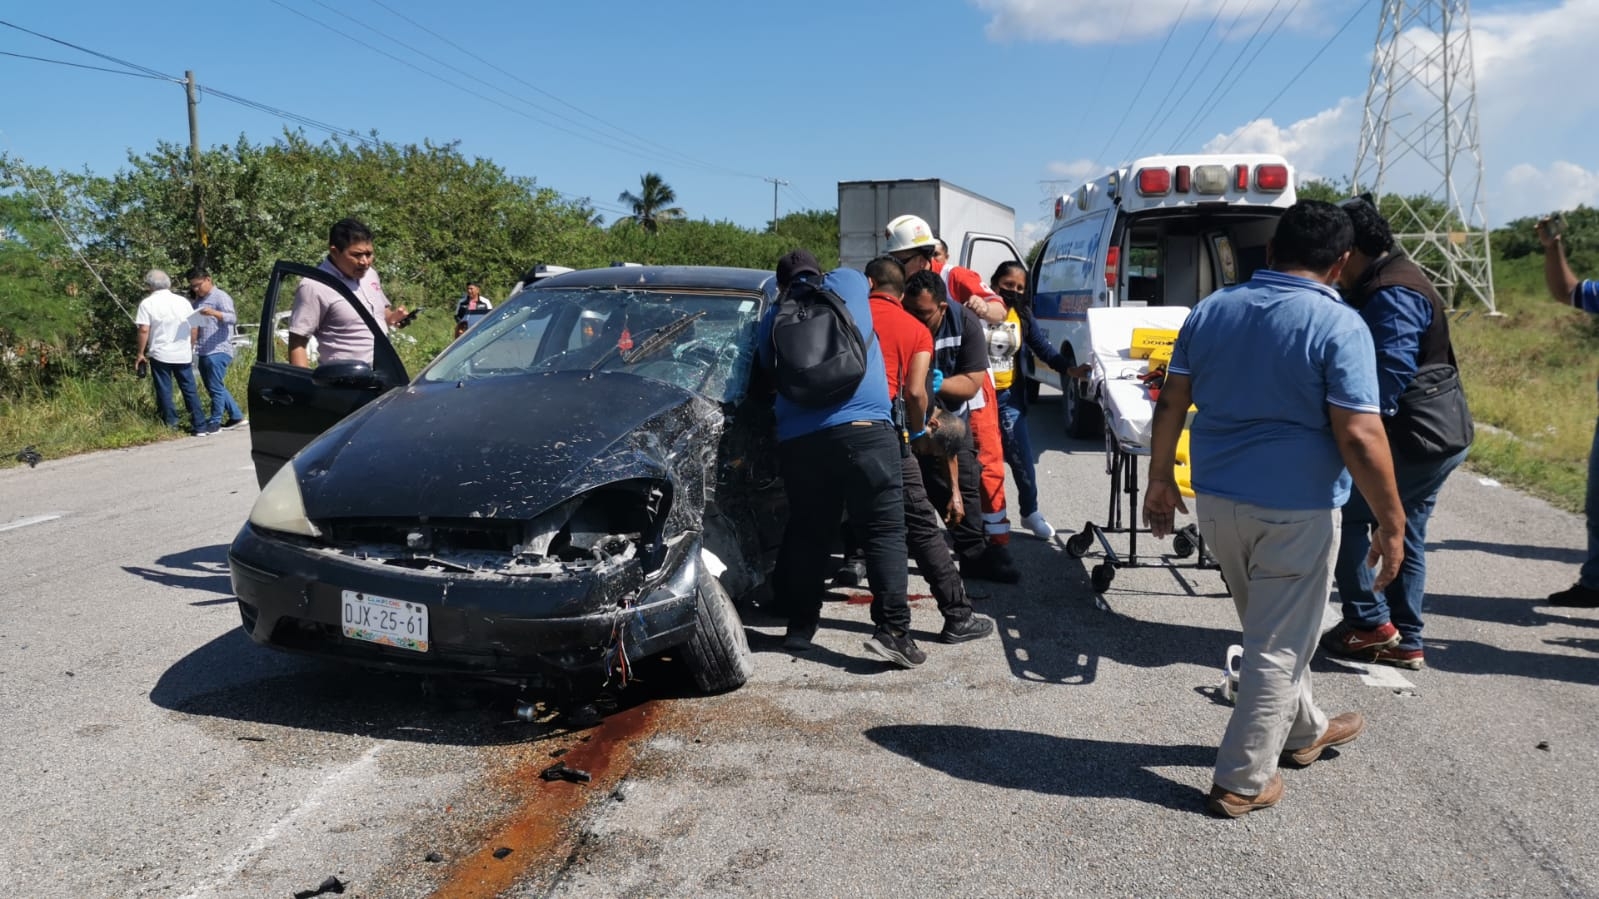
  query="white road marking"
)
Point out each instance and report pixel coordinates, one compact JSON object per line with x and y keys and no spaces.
{"x":221,"y":882}
{"x":24,"y":522}
{"x":1488,"y":482}
{"x":1373,"y":675}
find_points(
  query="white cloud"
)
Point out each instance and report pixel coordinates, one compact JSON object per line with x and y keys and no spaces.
{"x":1031,"y":232}
{"x":1322,"y":145}
{"x":1097,"y":22}
{"x":1529,"y":190}
{"x":1075,"y":170}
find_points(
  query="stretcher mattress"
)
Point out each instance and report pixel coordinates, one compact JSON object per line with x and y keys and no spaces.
{"x":1129,"y":413}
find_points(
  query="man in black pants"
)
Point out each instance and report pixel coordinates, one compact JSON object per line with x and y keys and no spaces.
{"x":908,"y":356}
{"x":845,"y":455}
{"x":960,"y":353}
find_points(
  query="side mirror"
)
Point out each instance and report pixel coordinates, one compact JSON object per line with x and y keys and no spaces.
{"x":358,"y":375}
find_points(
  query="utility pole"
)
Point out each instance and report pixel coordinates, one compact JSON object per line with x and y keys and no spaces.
{"x":1421,"y":122}
{"x":203,"y":239}
{"x":774,"y":182}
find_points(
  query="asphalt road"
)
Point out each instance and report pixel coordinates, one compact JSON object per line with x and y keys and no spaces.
{"x":152,"y":750}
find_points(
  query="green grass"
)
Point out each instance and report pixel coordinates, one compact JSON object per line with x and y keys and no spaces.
{"x":1529,"y":376}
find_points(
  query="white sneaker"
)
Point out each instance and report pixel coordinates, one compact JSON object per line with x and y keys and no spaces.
{"x":1041,"y":529}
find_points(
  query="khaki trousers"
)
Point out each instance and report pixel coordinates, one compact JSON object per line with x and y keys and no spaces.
{"x":1276,"y":565}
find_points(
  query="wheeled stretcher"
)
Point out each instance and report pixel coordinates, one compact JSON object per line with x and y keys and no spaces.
{"x":1129,"y":414}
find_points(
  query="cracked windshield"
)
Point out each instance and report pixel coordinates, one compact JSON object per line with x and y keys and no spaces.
{"x":701,"y":342}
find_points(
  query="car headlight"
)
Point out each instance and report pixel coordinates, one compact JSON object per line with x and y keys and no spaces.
{"x":280,"y":508}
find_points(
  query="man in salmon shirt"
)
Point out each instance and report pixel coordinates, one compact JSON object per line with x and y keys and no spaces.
{"x":913,"y":243}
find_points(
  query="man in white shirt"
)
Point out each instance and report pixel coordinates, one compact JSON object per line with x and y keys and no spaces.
{"x":167,"y":331}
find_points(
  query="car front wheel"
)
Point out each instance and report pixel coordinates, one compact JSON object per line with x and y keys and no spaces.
{"x":718,"y":654}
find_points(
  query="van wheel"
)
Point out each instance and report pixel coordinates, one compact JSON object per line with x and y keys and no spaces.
{"x":1081,"y":418}
{"x":718,"y":654}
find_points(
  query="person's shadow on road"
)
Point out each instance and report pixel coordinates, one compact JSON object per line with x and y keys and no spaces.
{"x":204,"y":568}
{"x":1060,"y":766}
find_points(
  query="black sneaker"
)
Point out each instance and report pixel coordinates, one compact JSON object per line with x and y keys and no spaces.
{"x":851,"y":574}
{"x":230,"y":425}
{"x":800,"y":637}
{"x":1576,"y":596}
{"x":959,"y":630}
{"x":897,"y":648}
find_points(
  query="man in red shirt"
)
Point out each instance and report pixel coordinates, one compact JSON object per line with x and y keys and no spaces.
{"x":907,"y":357}
{"x":912,"y":242}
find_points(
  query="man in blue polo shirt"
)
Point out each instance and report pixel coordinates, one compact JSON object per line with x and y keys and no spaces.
{"x":1285,"y":378}
{"x":846,"y":455}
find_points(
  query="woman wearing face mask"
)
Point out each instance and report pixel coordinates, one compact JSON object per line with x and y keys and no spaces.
{"x":1006,"y":340}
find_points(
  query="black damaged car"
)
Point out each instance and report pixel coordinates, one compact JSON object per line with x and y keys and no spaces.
{"x":576,"y":483}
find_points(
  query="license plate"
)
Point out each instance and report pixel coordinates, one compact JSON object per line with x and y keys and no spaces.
{"x":389,"y":622}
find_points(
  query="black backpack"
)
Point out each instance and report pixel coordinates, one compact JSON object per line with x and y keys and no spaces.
{"x":818,"y":352}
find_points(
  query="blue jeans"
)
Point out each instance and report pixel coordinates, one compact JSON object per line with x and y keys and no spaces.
{"x":213,"y":371}
{"x":1018,"y":448}
{"x":161,"y":375}
{"x":1419,"y":483}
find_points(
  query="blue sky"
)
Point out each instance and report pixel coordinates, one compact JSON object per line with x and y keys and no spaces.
{"x":1009,"y":98}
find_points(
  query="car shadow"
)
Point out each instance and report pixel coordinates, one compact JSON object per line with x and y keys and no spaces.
{"x":1056,"y":766}
{"x":232,"y":679}
{"x":1513,"y":550}
{"x":203,"y":568}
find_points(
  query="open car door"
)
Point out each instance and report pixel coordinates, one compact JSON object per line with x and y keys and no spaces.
{"x":290,"y":405}
{"x":982,"y":253}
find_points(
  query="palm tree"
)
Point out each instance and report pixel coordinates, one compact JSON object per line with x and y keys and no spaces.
{"x":653,"y":203}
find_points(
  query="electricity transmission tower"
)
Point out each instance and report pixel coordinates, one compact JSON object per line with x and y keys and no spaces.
{"x":1421,"y":124}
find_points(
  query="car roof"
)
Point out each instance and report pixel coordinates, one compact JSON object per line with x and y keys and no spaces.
{"x":699,"y":277}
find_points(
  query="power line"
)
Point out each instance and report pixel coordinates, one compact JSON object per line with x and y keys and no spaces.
{"x":596,"y":137}
{"x":533,"y":87}
{"x":1161,"y":106}
{"x":55,"y":40}
{"x":289,"y":116}
{"x":1217,"y":94}
{"x":462,"y":88}
{"x":1142,"y":84}
{"x":21,"y":169}
{"x":1308,"y":63}
{"x":79,"y":65}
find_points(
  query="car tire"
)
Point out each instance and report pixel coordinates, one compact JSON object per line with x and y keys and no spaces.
{"x":718,"y":654}
{"x":1081,"y":418}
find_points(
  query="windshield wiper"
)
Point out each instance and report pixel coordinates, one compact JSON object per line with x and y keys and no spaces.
{"x":651,"y":344}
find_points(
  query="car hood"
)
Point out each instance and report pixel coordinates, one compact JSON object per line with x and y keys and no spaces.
{"x":505,"y":448}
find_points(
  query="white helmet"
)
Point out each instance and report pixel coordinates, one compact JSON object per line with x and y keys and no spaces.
{"x":908,"y":232}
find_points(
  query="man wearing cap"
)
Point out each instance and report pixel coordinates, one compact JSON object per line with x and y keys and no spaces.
{"x":913,"y":243}
{"x":846,"y":455}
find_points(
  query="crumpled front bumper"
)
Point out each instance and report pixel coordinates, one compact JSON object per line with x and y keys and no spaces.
{"x":479,"y":624}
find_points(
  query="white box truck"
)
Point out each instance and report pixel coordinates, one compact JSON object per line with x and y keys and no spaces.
{"x":979,"y":232}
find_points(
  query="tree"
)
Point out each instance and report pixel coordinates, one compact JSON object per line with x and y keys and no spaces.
{"x":653,"y":203}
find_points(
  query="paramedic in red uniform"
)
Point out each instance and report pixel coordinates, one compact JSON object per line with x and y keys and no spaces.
{"x":912,"y":242}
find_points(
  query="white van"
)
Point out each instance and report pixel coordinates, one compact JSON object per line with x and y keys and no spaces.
{"x":1164,"y":231}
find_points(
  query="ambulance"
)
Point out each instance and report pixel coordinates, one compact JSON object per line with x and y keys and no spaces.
{"x":1163,"y":231}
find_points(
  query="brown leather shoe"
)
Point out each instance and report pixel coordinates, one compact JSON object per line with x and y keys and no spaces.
{"x":1235,"y":806}
{"x":1340,"y":730}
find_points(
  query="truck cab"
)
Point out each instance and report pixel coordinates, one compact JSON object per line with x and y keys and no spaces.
{"x":1162,"y":231}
